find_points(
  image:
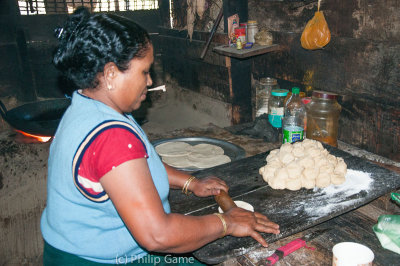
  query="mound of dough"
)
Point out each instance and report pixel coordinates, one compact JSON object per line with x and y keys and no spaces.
{"x":183,"y":155}
{"x":303,"y":164}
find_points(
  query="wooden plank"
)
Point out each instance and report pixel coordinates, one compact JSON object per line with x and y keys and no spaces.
{"x":352,"y":226}
{"x":246,"y":53}
{"x":292,"y":210}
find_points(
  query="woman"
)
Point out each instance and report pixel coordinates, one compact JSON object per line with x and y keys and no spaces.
{"x":107,"y":187}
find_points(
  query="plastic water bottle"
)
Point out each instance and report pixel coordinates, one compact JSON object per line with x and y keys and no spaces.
{"x":293,"y":120}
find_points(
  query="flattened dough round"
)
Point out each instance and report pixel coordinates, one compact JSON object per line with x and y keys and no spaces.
{"x":210,"y":161}
{"x":173,"y":148}
{"x":177,"y":161}
{"x":205,"y":149}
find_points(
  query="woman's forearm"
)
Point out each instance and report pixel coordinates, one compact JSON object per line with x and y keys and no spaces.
{"x":181,"y":233}
{"x":176,"y":178}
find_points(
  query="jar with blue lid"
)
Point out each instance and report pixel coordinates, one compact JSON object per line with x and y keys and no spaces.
{"x":276,"y":107}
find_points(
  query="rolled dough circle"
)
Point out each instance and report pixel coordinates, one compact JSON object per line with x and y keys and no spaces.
{"x":211,"y":161}
{"x":177,"y":161}
{"x":241,"y":204}
{"x":173,"y":148}
{"x":206,"y":149}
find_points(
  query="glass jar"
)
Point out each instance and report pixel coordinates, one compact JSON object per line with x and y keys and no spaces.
{"x":263,"y":93}
{"x":276,"y":107}
{"x":252,"y":30}
{"x":323,"y":117}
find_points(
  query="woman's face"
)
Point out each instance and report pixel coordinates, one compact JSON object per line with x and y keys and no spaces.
{"x":131,"y":85}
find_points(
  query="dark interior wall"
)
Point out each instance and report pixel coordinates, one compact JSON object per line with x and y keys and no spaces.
{"x":224,"y":79}
{"x":41,"y":43}
{"x":361,"y":63}
{"x":14,"y":75}
{"x":26,"y":47}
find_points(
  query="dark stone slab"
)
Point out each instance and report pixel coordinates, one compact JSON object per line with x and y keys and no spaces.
{"x":294,"y":211}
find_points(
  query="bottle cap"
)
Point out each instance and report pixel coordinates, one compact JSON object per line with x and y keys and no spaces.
{"x":279,"y":92}
{"x":295,"y":90}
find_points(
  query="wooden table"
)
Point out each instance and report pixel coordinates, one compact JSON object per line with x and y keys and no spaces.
{"x":355,"y":225}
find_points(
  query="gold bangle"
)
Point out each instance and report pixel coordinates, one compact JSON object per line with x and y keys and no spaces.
{"x":223,"y":223}
{"x":186,"y":186}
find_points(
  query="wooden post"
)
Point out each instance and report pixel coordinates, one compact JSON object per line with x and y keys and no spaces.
{"x":240,"y":70}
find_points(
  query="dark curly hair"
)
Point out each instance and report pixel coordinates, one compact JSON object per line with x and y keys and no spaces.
{"x":87,"y":42}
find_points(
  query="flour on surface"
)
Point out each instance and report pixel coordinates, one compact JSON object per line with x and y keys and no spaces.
{"x":260,"y":253}
{"x":331,"y":198}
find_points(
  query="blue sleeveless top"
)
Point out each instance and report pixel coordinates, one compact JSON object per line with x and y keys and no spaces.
{"x":74,"y":220}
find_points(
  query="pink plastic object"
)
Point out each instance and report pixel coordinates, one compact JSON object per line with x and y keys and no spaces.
{"x":286,"y":250}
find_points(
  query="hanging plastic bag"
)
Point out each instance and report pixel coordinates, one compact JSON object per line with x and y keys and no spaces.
{"x":388,"y":232}
{"x":316,"y":34}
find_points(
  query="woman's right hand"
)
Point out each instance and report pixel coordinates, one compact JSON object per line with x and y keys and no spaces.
{"x":245,"y":223}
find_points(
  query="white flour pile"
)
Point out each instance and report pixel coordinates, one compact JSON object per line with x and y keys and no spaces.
{"x":334,"y":197}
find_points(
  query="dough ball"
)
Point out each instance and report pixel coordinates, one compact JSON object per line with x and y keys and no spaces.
{"x":298,"y":151}
{"x":275,"y":151}
{"x":269,"y":171}
{"x":323,"y":180}
{"x":286,"y":157}
{"x":277,"y":183}
{"x":306,"y":162}
{"x":327,"y":168}
{"x":297,"y":144}
{"x":275,"y":164}
{"x":332,"y":159}
{"x":307,"y":183}
{"x":287,"y":147}
{"x":341,"y":167}
{"x":294,"y":170}
{"x":272,"y":157}
{"x":261,"y":170}
{"x":313,"y":152}
{"x":319,"y":145}
{"x":282,"y":174}
{"x":293,"y":183}
{"x":337,"y":179}
{"x":324,"y":152}
{"x":309,"y":143}
{"x":311,"y":173}
{"x":320,"y":161}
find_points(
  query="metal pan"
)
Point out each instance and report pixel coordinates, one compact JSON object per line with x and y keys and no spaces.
{"x":37,"y":118}
{"x":233,"y":151}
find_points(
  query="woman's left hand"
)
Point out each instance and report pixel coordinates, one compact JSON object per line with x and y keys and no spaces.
{"x":208,"y":186}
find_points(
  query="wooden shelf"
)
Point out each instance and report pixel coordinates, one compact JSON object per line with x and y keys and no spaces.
{"x":246,"y":53}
